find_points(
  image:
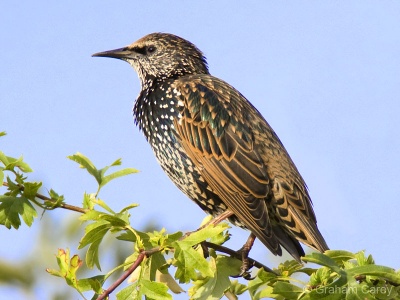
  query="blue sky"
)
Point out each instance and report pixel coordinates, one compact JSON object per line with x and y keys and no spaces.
{"x":325,"y":74}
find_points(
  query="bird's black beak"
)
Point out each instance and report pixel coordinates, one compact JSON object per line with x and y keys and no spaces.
{"x":121,"y":53}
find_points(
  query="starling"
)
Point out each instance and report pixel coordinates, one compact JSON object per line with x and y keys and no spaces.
{"x":216,"y":147}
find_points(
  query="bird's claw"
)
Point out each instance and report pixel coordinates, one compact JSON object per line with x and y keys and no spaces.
{"x":244,"y":272}
{"x":246,"y":266}
{"x":244,"y":251}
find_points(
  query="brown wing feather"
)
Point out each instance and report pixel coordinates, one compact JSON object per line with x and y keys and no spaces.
{"x":252,"y":212}
{"x":244,"y":162}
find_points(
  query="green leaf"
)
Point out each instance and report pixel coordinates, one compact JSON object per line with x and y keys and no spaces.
{"x":94,"y":283}
{"x":237,"y":288}
{"x":128,"y":236}
{"x":102,"y":204}
{"x":56,"y":197}
{"x":74,"y":265}
{"x":85,"y":163}
{"x":155,"y":290}
{"x":3,"y":158}
{"x":1,"y":176}
{"x":266,"y":276}
{"x":169,"y":281}
{"x":187,"y":261}
{"x":287,"y":290}
{"x":383,"y":291}
{"x":202,"y":235}
{"x":129,"y":293}
{"x":119,"y":173}
{"x":3,"y":133}
{"x":118,"y":162}
{"x":289,"y":267}
{"x":339,"y":256}
{"x":68,"y":267}
{"x":130,"y":206}
{"x":382,"y":272}
{"x":321,"y":277}
{"x":141,"y":239}
{"x":56,"y":200}
{"x":92,"y":255}
{"x":173,"y":237}
{"x":91,"y":215}
{"x":267,"y":292}
{"x":263,"y":277}
{"x":117,"y":220}
{"x":99,"y":174}
{"x":155,"y":263}
{"x":215,"y":286}
{"x":333,"y":291}
{"x":363,"y":260}
{"x":95,"y":233}
{"x":31,"y":189}
{"x":221,"y":237}
{"x":10,"y":163}
{"x":307,"y":271}
{"x":12,"y":207}
{"x":53,"y":195}
{"x":358,"y":291}
{"x":87,"y":202}
{"x":321,"y":259}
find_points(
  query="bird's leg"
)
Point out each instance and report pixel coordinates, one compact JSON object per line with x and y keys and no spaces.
{"x":245,"y":250}
{"x":218,"y":219}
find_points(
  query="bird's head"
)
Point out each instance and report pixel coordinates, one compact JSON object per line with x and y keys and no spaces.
{"x":161,"y":56}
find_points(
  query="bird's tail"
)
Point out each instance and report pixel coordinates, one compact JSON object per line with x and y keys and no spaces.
{"x":313,"y":237}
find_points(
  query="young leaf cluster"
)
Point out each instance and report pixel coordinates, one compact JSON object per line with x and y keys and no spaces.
{"x":337,"y":274}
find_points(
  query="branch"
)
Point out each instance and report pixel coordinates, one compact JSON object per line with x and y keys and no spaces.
{"x":62,"y":205}
{"x":236,"y":254}
{"x":138,"y":261}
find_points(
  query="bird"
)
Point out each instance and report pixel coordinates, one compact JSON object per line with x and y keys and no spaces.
{"x":216,"y":147}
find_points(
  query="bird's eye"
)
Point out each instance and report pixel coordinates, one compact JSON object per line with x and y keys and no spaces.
{"x":151,"y":49}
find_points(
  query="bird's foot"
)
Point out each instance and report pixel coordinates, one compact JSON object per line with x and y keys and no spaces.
{"x":244,"y":251}
{"x":244,"y":268}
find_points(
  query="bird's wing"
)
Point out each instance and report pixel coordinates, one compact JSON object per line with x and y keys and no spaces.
{"x":241,"y":158}
{"x":215,"y":134}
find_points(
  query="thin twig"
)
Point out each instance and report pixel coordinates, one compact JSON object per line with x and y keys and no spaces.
{"x":135,"y":265}
{"x":237,"y":255}
{"x":62,"y":205}
{"x":124,"y":276}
